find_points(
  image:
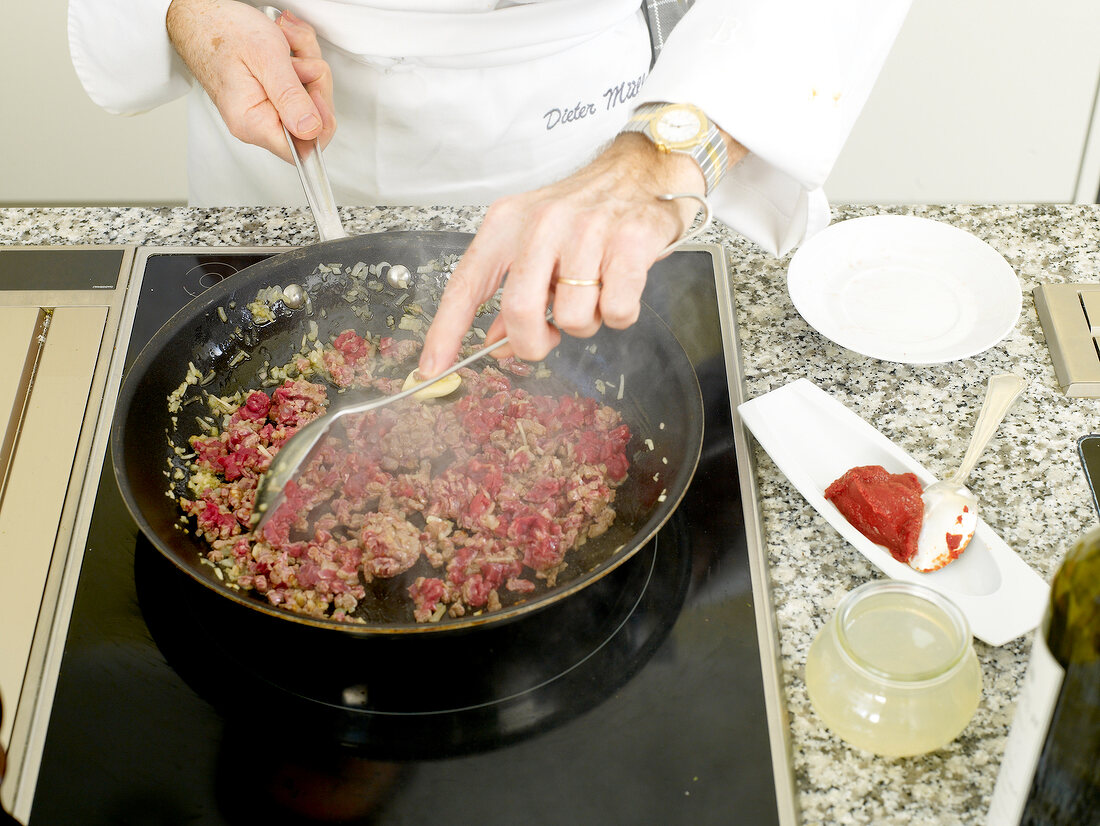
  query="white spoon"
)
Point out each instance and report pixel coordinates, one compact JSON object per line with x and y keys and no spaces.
{"x":950,"y":510}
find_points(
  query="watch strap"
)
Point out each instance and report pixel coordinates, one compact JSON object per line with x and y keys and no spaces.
{"x":709,"y":152}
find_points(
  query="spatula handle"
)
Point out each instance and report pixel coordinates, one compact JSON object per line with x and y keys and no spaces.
{"x":1000,"y":393}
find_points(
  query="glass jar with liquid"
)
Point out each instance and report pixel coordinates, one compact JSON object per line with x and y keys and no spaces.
{"x":893,"y":671}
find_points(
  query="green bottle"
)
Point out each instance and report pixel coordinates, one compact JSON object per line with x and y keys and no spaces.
{"x":1050,"y":774}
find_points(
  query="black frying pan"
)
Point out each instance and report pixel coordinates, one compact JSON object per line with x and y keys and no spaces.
{"x":660,"y":401}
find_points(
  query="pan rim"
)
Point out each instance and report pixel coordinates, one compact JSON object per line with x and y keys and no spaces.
{"x":215,"y":296}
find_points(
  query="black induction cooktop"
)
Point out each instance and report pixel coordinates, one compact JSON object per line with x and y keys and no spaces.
{"x":639,"y":699}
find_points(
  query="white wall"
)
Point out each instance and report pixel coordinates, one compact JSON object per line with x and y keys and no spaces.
{"x":60,"y":148}
{"x":981,"y":101}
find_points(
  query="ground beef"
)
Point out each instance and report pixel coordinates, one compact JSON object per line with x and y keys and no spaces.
{"x":487,"y":493}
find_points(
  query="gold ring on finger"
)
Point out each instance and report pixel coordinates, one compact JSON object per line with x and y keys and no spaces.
{"x":578,"y":282}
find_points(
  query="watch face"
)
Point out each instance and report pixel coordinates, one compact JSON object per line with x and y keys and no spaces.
{"x":678,"y":126}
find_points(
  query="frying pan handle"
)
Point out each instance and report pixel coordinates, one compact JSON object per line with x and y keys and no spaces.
{"x":311,"y":169}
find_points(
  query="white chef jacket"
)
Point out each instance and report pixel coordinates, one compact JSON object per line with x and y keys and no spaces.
{"x":463,"y":101}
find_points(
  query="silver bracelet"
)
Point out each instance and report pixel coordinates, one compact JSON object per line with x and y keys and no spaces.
{"x":692,"y":231}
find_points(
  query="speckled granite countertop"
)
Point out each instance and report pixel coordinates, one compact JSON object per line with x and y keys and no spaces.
{"x":1033,"y":491}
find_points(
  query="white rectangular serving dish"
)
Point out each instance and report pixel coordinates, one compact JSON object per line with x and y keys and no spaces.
{"x":813,"y":439}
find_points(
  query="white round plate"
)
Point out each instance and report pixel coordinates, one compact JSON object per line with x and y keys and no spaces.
{"x":904,"y":289}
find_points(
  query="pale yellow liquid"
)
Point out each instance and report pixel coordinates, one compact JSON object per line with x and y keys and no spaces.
{"x":896,"y":700}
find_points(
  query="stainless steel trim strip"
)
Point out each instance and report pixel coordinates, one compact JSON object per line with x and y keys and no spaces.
{"x":22,"y":397}
{"x":32,"y":715}
{"x":766,"y":629}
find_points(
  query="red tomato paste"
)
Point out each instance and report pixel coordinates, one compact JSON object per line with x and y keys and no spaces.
{"x":885,"y":507}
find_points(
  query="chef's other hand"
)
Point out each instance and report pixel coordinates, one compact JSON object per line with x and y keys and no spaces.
{"x":602,"y":224}
{"x":261,"y":75}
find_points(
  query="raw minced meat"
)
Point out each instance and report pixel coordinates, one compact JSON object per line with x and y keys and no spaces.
{"x":487,"y":493}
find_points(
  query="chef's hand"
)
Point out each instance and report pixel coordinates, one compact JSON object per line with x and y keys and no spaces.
{"x":602,"y":223}
{"x":261,"y":75}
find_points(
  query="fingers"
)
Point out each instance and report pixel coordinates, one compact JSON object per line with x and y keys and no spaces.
{"x":300,"y":36}
{"x":315,"y":76}
{"x":581,"y":309}
{"x":251,"y":118}
{"x":577,"y":305}
{"x":286,"y":93}
{"x":260,"y":75}
{"x":263,"y":93}
{"x":583,"y":245}
{"x":527,"y":293}
{"x":551,"y":247}
{"x":625,"y":268}
{"x":311,"y":68}
{"x":297,"y":85}
{"x":451,"y":322}
{"x":473,"y":282}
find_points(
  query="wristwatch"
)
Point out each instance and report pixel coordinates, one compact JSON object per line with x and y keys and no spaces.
{"x":681,"y":127}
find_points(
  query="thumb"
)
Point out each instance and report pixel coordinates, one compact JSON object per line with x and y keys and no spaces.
{"x":285,"y":91}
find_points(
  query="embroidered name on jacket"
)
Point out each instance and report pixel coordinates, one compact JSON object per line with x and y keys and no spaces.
{"x":610,"y":98}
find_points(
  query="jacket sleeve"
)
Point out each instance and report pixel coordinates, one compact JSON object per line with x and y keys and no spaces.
{"x":122,"y":55}
{"x":787,"y":79}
